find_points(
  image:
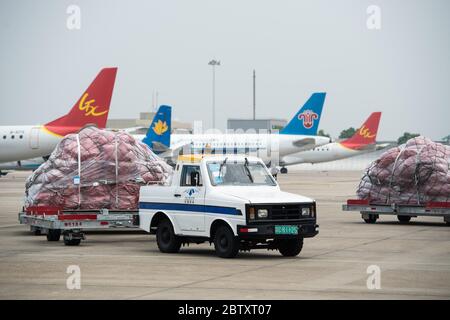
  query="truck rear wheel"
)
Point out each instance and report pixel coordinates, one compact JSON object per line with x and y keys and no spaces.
{"x":404,"y":219}
{"x":167,"y":240}
{"x":53,"y":235}
{"x":226,"y":243}
{"x":290,"y":247}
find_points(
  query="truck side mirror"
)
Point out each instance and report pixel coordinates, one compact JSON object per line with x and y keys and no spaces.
{"x":274,"y":172}
{"x":195,"y":178}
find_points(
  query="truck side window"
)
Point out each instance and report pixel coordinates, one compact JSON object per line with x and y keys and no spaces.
{"x":186,"y":175}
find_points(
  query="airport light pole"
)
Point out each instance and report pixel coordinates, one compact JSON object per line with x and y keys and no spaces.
{"x":254,"y":95}
{"x":214,"y":63}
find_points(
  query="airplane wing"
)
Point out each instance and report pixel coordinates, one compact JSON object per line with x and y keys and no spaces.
{"x":175,"y":149}
{"x":380,"y":146}
{"x":134,"y":129}
{"x":305,"y":143}
{"x":366,"y":147}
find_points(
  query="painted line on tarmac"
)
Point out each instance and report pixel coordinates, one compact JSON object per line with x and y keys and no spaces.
{"x":9,"y":226}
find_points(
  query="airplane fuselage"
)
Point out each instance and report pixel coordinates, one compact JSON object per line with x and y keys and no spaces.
{"x":328,"y":152}
{"x":26,"y":142}
{"x":266,"y":146}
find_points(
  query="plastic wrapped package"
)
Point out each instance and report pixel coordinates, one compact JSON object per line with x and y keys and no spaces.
{"x":414,"y":173}
{"x":95,"y":169}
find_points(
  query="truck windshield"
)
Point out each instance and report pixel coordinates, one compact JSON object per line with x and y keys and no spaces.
{"x":239,"y":174}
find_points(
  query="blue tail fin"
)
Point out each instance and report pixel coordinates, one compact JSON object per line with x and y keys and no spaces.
{"x":307,"y":119}
{"x":158,"y":134}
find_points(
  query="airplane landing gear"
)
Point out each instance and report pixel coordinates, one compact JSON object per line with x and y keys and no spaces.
{"x":283,"y":170}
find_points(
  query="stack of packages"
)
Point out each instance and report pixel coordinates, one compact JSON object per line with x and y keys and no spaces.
{"x":95,"y":169}
{"x":413,"y":173}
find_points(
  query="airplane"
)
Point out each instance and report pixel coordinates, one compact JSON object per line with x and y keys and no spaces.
{"x":299,"y":134}
{"x":363,"y":141}
{"x":26,"y":142}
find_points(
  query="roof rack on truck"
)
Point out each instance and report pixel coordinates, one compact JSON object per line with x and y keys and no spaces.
{"x":370,"y":212}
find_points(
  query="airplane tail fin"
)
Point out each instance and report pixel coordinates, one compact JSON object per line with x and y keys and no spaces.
{"x":306,"y":120}
{"x":91,"y":108}
{"x":366,"y":134}
{"x":158,"y":134}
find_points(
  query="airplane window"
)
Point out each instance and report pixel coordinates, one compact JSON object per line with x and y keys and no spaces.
{"x":4,"y":137}
{"x":21,"y":136}
{"x":12,"y":137}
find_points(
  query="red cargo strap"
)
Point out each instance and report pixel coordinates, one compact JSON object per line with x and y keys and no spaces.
{"x":358,"y":202}
{"x":77,"y":217}
{"x":41,"y":210}
{"x":433,"y":204}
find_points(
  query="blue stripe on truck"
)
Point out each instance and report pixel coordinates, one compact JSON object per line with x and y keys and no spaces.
{"x":189,"y":207}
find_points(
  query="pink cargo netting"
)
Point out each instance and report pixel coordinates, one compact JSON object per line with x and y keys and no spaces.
{"x":414,"y":173}
{"x":113,"y":165}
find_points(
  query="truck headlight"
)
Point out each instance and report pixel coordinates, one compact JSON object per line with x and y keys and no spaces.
{"x":263,"y":213}
{"x":305,"y":212}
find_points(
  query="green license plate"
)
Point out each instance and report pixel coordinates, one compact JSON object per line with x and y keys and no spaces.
{"x":286,"y":229}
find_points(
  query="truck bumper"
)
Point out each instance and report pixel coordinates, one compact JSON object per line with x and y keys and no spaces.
{"x":266,"y":231}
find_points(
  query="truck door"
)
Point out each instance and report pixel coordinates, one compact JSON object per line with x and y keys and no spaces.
{"x":34,"y":138}
{"x":190,"y":199}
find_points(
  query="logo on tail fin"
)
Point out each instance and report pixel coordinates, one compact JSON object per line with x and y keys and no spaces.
{"x":365,"y":133}
{"x":88,"y":107}
{"x":306,"y":120}
{"x":91,"y":108}
{"x":158,"y":134}
{"x":308,"y":117}
{"x":160,"y":127}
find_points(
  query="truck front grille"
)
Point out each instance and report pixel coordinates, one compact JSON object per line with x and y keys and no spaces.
{"x":282,"y":212}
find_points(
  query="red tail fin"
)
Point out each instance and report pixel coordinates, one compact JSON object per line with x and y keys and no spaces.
{"x":365,"y":135}
{"x":91,"y":108}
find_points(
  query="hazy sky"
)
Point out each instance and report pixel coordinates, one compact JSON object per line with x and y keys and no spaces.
{"x":297,"y":47}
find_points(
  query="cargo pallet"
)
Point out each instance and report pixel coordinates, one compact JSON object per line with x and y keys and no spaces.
{"x":370,"y":212}
{"x":54,"y":222}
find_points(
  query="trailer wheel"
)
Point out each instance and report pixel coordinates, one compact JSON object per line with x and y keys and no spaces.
{"x":404,"y":219}
{"x":53,"y":235}
{"x":290,"y":247}
{"x":72,"y":242}
{"x":226,"y":243}
{"x":167,"y":240}
{"x":35,"y":230}
{"x":371,"y":219}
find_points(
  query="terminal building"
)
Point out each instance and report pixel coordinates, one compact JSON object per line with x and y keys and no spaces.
{"x":144,"y":121}
{"x":258,"y":125}
{"x":242,"y":125}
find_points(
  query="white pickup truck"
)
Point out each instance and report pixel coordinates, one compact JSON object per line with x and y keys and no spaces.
{"x":231,"y":201}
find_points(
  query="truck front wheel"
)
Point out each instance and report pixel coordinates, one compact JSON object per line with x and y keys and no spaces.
{"x":225,"y":243}
{"x":166,"y":238}
{"x":290,"y":247}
